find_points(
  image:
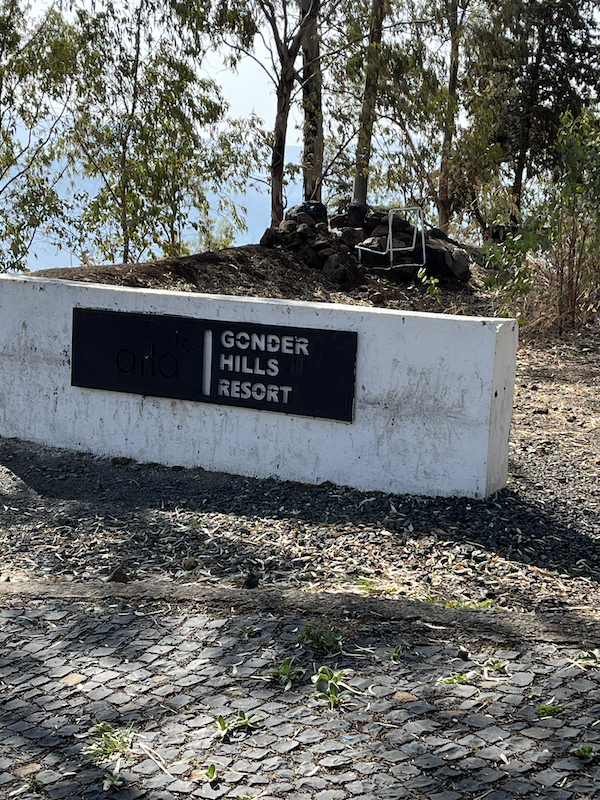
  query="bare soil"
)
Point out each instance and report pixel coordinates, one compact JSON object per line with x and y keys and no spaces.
{"x":256,"y":271}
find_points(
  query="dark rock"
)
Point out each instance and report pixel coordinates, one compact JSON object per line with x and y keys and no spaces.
{"x":380,"y":230}
{"x":447,"y":260}
{"x":375,"y":217}
{"x":352,"y":236}
{"x":438,"y":261}
{"x":339,"y":221}
{"x":461,"y":264}
{"x":315,"y":210}
{"x":189,"y":563}
{"x":332,"y":265}
{"x":322,"y":228}
{"x":304,"y":230}
{"x":271,"y":238}
{"x":376,"y":298}
{"x":304,"y":219}
{"x":372,"y":259}
{"x":436,"y":233}
{"x":342,"y":272}
{"x":321,"y":243}
{"x":401,"y":225}
{"x":375,"y":243}
{"x":308,"y":255}
{"x":251,"y":581}
{"x":326,"y":252}
{"x":357,"y":211}
{"x":118,"y":575}
{"x":287,"y":225}
{"x":290,"y":240}
{"x":403,"y":239}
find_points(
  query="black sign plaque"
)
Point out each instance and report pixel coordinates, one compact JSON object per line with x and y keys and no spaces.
{"x":268,"y":367}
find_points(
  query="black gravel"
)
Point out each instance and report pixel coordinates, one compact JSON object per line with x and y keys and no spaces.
{"x":554,"y":535}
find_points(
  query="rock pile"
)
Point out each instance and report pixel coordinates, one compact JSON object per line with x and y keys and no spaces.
{"x":331,"y":245}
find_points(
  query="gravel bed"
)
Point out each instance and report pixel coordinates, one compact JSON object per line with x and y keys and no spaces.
{"x":534,"y":545}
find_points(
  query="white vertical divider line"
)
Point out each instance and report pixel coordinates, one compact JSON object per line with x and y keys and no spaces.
{"x":207,"y":357}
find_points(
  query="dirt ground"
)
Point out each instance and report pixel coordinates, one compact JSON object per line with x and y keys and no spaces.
{"x":257,"y":271}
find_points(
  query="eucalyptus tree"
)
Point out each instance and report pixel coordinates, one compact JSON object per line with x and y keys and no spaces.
{"x":535,"y":60}
{"x":378,"y":92}
{"x":281,"y":26}
{"x":422,"y":104}
{"x":288,"y":30}
{"x":37,"y":71}
{"x":145,"y":134}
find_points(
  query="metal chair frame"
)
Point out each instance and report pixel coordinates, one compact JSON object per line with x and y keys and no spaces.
{"x":390,"y":249}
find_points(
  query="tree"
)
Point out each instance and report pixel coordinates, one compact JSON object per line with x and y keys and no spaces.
{"x":425,"y":101}
{"x":454,"y":16}
{"x":536,"y":60}
{"x":283,"y":28}
{"x":572,"y":211}
{"x":37,"y":68}
{"x":143,"y":135}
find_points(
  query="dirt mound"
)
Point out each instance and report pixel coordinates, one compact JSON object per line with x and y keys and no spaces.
{"x":257,"y":271}
{"x":250,"y":270}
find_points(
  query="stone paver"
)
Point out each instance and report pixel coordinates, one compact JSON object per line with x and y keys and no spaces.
{"x":159,"y":678}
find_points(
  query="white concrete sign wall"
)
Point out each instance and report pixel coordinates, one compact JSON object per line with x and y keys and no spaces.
{"x":384,"y":400}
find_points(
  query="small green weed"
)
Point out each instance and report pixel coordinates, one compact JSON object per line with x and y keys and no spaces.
{"x":586,"y":753}
{"x":249,"y":632}
{"x":457,"y":677}
{"x":585,"y":655}
{"x":367,"y":585}
{"x":432,"y":284}
{"x":242,"y":722}
{"x":547,"y":710}
{"x":108,"y":741}
{"x":324,"y":639}
{"x":496,"y":665}
{"x":209,"y":775}
{"x":478,"y":605}
{"x":113,"y":780}
{"x":333,"y":696}
{"x":286,"y":672}
{"x":534,"y":691}
{"x":394,"y":655}
{"x":330,"y":686}
{"x":35,"y":784}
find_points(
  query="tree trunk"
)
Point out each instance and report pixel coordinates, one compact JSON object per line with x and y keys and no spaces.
{"x":444,"y":201}
{"x":284,"y":94}
{"x":312,"y":159}
{"x":369,"y":101}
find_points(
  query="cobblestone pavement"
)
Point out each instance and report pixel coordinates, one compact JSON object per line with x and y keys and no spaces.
{"x":423,"y":720}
